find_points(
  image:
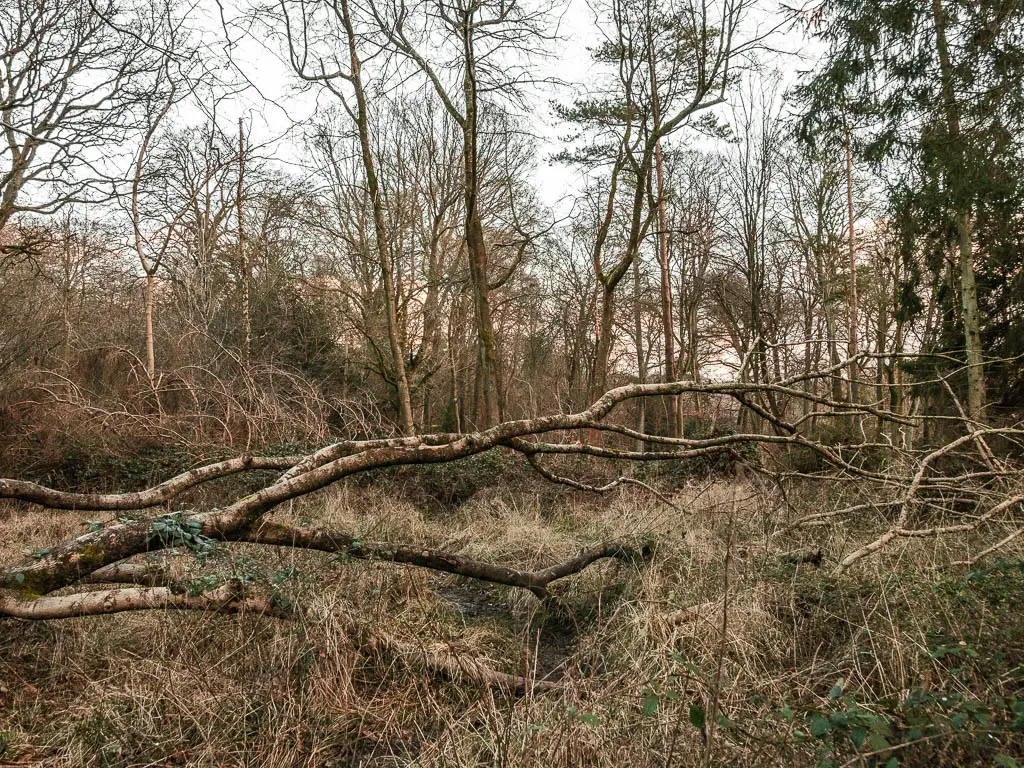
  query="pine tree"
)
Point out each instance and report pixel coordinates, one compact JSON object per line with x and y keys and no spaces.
{"x":933,"y":91}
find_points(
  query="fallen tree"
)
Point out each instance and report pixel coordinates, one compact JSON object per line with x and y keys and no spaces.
{"x":78,"y":560}
{"x":61,"y":581}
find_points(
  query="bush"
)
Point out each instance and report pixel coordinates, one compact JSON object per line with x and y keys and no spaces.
{"x":838,"y":435}
{"x":677,"y":471}
{"x":445,"y":486}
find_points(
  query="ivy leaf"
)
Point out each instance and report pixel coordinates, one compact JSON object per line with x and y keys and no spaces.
{"x":820,"y":726}
{"x":857,"y":736}
{"x":878,"y":741}
{"x":698,"y":717}
{"x":837,"y":689}
{"x":651,"y":703}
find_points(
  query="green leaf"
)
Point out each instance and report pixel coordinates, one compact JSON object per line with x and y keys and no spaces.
{"x":837,"y":689}
{"x":820,"y":726}
{"x":879,"y":725}
{"x":893,"y":762}
{"x":698,"y":717}
{"x":588,"y":718}
{"x":857,"y":736}
{"x":878,"y":741}
{"x":1004,"y":760}
{"x":689,"y":666}
{"x":20,"y":578}
{"x":650,"y":705}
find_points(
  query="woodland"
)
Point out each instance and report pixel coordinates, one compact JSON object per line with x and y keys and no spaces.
{"x":511,"y":383}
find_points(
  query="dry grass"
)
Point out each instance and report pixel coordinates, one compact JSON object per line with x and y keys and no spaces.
{"x":161,"y":689}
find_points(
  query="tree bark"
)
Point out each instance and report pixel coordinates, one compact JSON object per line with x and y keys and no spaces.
{"x":489,"y":411}
{"x":609,"y":281}
{"x":968,"y":287}
{"x":972,"y":323}
{"x":675,"y":424}
{"x":852,"y":253}
{"x":243,"y":260}
{"x":641,"y":363}
{"x":150,"y":351}
{"x":406,"y":421}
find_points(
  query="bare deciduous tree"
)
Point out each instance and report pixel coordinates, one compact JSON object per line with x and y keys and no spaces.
{"x":74,"y":81}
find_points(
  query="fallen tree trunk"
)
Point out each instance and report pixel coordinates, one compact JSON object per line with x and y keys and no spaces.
{"x":24,"y":490}
{"x":60,"y":581}
{"x":231,"y":598}
{"x":536,"y":582}
{"x":68,"y":562}
{"x":74,"y":561}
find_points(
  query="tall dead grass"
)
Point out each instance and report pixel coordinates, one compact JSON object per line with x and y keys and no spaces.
{"x":716,"y":621}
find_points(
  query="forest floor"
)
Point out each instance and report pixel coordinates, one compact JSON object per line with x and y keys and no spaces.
{"x":721,"y":649}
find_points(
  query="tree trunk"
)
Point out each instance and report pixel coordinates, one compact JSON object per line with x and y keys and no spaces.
{"x":599,"y":375}
{"x":641,"y":366}
{"x":830,"y":331}
{"x":243,"y":260}
{"x":852,"y":244}
{"x":150,"y":352}
{"x":609,"y":281}
{"x":674,"y":414}
{"x":972,"y":323}
{"x":406,"y":421}
{"x":896,"y":380}
{"x":809,"y":362}
{"x":689,"y":338}
{"x":968,"y":287}
{"x":488,"y":374}
{"x":881,"y":337}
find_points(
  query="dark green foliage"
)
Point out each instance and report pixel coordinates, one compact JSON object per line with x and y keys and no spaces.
{"x":445,"y":486}
{"x":943,"y":147}
{"x":135,"y":467}
{"x":837,"y":435}
{"x":973,"y":711}
{"x":291,"y":328}
{"x":131,"y":468}
{"x":914,"y":730}
{"x":676,"y":472}
{"x":178,"y":530}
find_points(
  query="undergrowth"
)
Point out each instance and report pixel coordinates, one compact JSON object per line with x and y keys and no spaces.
{"x":717,"y":651}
